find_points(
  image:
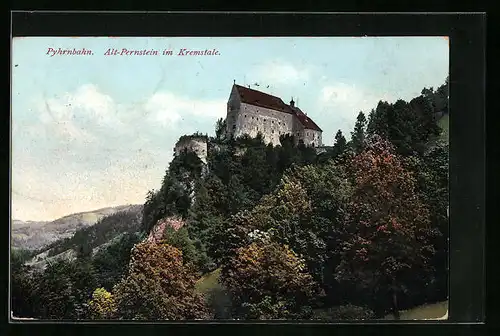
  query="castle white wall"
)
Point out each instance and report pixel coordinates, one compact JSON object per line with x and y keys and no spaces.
{"x":312,"y":138}
{"x":254,"y":119}
{"x":243,"y":118}
{"x":298,"y":129}
{"x":233,"y":108}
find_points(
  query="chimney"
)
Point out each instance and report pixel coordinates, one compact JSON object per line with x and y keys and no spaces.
{"x":292,"y":103}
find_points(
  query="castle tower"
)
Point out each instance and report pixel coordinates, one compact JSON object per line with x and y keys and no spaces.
{"x":193,"y":143}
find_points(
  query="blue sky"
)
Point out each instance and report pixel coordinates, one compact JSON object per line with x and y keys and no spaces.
{"x":96,"y":131}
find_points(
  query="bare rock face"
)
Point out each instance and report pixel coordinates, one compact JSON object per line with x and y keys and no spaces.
{"x":156,"y":234}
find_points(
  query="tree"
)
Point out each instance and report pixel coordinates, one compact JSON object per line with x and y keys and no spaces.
{"x":220,"y":129}
{"x":63,"y":289}
{"x":358,"y":135}
{"x":102,"y":306}
{"x":340,"y":144}
{"x":409,"y":126}
{"x":180,"y":240}
{"x":22,"y":284}
{"x":432,"y":175}
{"x":111,"y":263}
{"x":239,"y":195}
{"x":378,"y":122}
{"x":268,"y":281}
{"x":226,"y":236}
{"x":177,"y":189}
{"x":438,"y":98}
{"x":152,"y":210}
{"x":304,"y":213}
{"x":254,"y":173}
{"x":387,"y":226}
{"x":203,"y":215}
{"x":159,"y":286}
{"x":84,"y":251}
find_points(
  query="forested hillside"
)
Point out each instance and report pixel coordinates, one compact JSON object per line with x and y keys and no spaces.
{"x":92,"y":238}
{"x":269,"y":232}
{"x":32,"y":235}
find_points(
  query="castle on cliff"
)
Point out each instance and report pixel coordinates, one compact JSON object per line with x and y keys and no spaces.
{"x":250,"y":112}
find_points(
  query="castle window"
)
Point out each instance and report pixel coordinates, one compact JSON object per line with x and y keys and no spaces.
{"x":264,"y":120}
{"x":272,"y":121}
{"x":252,"y":117}
{"x":245,"y":115}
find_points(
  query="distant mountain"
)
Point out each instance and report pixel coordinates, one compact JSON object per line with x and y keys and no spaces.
{"x":33,"y":235}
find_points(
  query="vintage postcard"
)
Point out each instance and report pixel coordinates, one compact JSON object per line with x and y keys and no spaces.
{"x":269,"y":178}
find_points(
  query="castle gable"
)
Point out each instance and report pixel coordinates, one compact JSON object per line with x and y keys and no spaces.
{"x":252,"y":112}
{"x":258,"y":98}
{"x":307,"y":122}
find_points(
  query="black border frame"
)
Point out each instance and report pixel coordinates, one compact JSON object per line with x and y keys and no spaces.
{"x":466,"y":33}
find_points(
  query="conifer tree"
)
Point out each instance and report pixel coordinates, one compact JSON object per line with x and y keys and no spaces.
{"x":340,"y":143}
{"x":358,"y":135}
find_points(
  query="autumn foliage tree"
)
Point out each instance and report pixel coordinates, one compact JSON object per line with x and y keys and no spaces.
{"x":431,"y":172}
{"x":102,"y":305}
{"x":267,"y":281}
{"x":387,"y":226}
{"x":158,"y":286}
{"x":304,"y":213}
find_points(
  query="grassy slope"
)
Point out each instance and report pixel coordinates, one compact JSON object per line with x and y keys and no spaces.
{"x":428,"y":311}
{"x":444,"y":123}
{"x":208,"y":282}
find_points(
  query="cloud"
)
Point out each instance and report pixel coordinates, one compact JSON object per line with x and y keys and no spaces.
{"x":42,"y":193}
{"x":167,"y":108}
{"x":344,"y":101}
{"x":88,"y":118}
{"x":280,"y":73}
{"x":351,"y":96}
{"x":72,"y":116}
{"x":78,"y":114}
{"x":85,"y":151}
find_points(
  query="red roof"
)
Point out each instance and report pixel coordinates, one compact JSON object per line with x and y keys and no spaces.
{"x":258,"y":98}
{"x":307,"y":122}
{"x":262,"y":99}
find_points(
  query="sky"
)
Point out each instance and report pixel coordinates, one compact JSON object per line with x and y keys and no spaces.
{"x":92,"y":131}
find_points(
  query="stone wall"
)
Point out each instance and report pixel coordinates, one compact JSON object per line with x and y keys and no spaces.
{"x":312,"y":138}
{"x":254,"y":119}
{"x":233,"y":108}
{"x":243,"y":118}
{"x":323,"y":149}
